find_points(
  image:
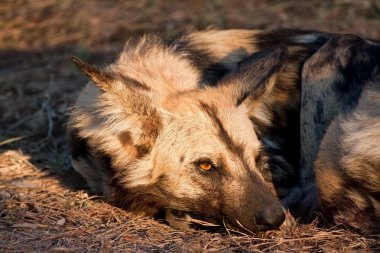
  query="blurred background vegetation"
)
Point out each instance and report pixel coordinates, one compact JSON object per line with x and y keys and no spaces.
{"x":29,"y":24}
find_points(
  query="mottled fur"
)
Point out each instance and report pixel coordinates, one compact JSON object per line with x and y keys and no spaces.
{"x":276,"y":117}
{"x":162,"y":108}
{"x":147,"y":114}
{"x":340,"y":119}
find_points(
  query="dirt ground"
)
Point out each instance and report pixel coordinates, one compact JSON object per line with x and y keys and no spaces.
{"x":44,"y":206}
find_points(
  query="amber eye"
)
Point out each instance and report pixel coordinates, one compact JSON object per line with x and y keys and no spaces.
{"x":205,"y":165}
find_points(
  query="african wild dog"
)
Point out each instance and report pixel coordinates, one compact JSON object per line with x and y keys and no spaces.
{"x":172,"y":146}
{"x":340,"y":119}
{"x":332,"y":84}
{"x":276,"y":119}
{"x":161,"y":115}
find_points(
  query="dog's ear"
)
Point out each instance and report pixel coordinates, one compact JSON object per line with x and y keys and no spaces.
{"x":100,"y":78}
{"x":120,"y":119}
{"x":255,"y":76}
{"x":106,"y":80}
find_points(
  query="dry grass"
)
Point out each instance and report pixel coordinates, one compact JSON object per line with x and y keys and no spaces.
{"x":43,"y":205}
{"x":39,"y":214}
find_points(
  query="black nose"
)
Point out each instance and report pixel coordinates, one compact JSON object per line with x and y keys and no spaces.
{"x":270,"y":217}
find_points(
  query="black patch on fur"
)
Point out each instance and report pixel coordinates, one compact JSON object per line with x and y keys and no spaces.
{"x":283,"y":163}
{"x":286,"y":36}
{"x":142,"y":150}
{"x":253,"y":72}
{"x":284,"y":131}
{"x":319,"y":111}
{"x":130,"y":82}
{"x":211,"y":69}
{"x":223,"y":134}
{"x":361,"y":60}
{"x":78,"y":146}
{"x":319,"y":119}
{"x":285,"y":127}
{"x":355,"y":60}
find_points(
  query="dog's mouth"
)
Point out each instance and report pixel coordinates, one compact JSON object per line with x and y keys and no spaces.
{"x":235,"y":226}
{"x":188,"y":221}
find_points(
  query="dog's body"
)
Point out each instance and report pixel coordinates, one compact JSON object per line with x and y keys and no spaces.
{"x":340,"y":119}
{"x":168,"y":128}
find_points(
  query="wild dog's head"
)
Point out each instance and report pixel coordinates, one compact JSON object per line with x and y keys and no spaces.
{"x":191,"y":151}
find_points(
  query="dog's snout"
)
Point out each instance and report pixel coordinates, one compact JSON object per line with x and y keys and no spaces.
{"x":270,"y":217}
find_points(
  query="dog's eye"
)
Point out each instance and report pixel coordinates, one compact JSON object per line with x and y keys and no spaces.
{"x":205,"y":165}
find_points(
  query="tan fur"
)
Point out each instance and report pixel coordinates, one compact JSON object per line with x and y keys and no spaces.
{"x":348,"y":165}
{"x":156,"y":111}
{"x":154,"y":123}
{"x":330,"y":179}
{"x":229,"y":46}
{"x":160,"y":68}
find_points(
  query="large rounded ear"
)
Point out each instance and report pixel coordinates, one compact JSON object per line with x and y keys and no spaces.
{"x":120,"y":119}
{"x":255,"y":76}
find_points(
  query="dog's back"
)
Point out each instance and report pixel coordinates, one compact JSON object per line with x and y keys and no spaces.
{"x":340,"y":119}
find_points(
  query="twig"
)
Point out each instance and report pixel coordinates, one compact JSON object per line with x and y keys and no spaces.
{"x":10,"y":140}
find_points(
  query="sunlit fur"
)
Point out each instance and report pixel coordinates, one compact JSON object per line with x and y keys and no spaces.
{"x":148,"y":117}
{"x":331,"y":95}
{"x":276,"y":119}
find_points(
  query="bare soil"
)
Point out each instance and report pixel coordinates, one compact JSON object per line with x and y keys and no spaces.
{"x":44,"y":205}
